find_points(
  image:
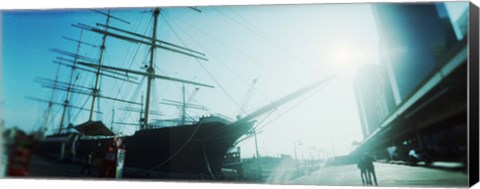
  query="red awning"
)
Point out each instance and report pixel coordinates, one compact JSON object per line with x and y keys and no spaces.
{"x":94,"y":128}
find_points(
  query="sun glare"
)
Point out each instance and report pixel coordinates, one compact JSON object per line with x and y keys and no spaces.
{"x":346,"y":58}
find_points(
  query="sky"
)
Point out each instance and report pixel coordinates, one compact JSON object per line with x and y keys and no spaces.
{"x":285,"y":47}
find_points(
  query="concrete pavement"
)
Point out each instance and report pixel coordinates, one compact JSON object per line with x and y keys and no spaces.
{"x":387,"y":175}
{"x":345,"y":175}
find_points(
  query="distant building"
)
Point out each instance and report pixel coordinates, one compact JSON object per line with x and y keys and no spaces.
{"x":366,"y":87}
{"x":374,"y":97}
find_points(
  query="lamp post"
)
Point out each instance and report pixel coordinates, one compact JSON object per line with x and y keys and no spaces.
{"x":318,"y":156}
{"x":333,"y":151}
{"x":324,"y":156}
{"x":295,"y":151}
{"x":312,"y":158}
{"x":259,"y":174}
{"x":253,"y":132}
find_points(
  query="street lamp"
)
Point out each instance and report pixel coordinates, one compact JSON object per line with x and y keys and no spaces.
{"x":259,"y":171}
{"x":312,"y":158}
{"x":323,"y":158}
{"x":259,"y":174}
{"x":318,"y":156}
{"x":295,"y":150}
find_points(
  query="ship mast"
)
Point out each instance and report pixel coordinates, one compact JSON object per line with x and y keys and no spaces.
{"x":50,"y":104}
{"x":150,"y":69}
{"x":153,"y":43}
{"x":66,"y":86}
{"x":97,"y":76}
{"x":72,"y":73}
{"x":184,"y":105}
{"x":79,"y":60}
{"x":141,"y":112}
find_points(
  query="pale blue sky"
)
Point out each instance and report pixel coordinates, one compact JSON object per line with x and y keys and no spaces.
{"x":286,"y":47}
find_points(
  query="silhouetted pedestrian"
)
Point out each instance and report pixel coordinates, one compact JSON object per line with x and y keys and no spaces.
{"x":363,"y":170}
{"x":370,"y":169}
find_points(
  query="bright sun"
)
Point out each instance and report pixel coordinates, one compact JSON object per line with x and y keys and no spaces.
{"x":346,"y":58}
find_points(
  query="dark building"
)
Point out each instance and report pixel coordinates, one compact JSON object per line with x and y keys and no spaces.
{"x":419,"y":89}
{"x":412,"y":38}
{"x":365,"y":88}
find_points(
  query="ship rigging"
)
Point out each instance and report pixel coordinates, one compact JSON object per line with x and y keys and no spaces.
{"x":195,"y":146}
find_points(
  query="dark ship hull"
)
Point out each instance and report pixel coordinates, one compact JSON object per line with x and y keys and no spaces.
{"x":197,"y":148}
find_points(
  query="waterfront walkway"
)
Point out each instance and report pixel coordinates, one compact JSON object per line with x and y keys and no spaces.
{"x":345,"y":175}
{"x":387,"y":175}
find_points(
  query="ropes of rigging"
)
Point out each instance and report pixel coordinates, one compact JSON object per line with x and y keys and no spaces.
{"x":264,"y":38}
{"x":84,"y":103}
{"x":260,"y":36}
{"x":204,"y":68}
{"x":272,"y":42}
{"x":133,"y":96}
{"x":270,"y":112}
{"x":216,"y":58}
{"x":259,"y":128}
{"x":120,"y":86}
{"x":231,"y":70}
{"x":295,"y":105}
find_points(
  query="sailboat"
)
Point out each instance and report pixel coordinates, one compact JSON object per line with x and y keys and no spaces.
{"x":186,"y":150}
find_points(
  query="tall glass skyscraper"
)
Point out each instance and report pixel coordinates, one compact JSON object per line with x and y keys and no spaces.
{"x":416,"y":97}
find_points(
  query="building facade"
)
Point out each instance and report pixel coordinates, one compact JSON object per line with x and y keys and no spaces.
{"x":415,"y":99}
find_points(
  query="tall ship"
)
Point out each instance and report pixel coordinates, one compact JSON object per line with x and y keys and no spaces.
{"x":188,"y":146}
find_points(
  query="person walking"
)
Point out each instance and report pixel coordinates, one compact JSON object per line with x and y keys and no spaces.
{"x":363,"y":171}
{"x":370,"y":169}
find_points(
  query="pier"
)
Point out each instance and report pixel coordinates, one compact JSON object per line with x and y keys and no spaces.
{"x":388,"y":174}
